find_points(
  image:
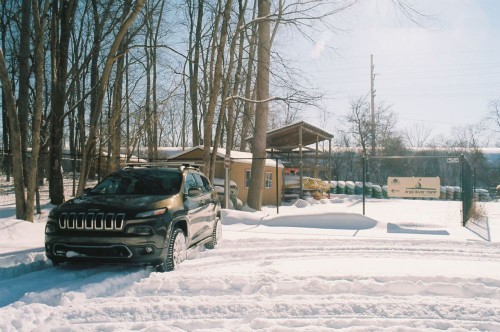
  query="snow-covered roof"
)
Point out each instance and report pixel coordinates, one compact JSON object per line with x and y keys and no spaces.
{"x":236,"y":156}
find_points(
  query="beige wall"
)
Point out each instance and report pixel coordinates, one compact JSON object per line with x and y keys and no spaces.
{"x":238,"y":174}
{"x":238,"y":171}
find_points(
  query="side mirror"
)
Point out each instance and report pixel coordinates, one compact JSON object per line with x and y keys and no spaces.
{"x":86,"y":191}
{"x":194,"y":192}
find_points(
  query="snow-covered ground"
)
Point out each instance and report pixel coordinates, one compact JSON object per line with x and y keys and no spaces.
{"x":409,"y":266}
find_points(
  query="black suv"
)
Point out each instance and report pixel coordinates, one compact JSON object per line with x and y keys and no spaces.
{"x":145,"y":215}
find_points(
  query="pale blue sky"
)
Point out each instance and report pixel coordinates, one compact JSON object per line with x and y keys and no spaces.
{"x":444,"y":74}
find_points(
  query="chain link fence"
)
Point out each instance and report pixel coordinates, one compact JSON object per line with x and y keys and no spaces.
{"x":353,"y":183}
{"x":360,"y":185}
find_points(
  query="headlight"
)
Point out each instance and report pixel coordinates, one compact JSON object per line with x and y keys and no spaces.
{"x":152,"y":213}
{"x":52,"y":213}
{"x":49,"y":229}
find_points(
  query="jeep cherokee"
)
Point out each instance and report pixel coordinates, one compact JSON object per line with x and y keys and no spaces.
{"x":146,"y":215}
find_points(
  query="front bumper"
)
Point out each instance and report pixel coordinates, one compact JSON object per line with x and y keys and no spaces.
{"x":148,"y":250}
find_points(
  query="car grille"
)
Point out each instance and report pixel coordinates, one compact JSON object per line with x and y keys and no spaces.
{"x":92,"y":251}
{"x":99,"y":221}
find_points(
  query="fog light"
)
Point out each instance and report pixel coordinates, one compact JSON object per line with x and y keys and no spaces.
{"x":149,"y":250}
{"x":141,"y":230}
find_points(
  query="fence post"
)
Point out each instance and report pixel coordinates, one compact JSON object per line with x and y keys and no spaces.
{"x":227,"y":180}
{"x":277,"y":189}
{"x":462,"y":175}
{"x":467,"y":188}
{"x":364,"y":180}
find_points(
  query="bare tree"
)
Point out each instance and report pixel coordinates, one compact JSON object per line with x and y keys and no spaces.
{"x":40,"y":20}
{"x":228,"y":103}
{"x":215,"y":87}
{"x":23,"y":99}
{"x":262,"y":110}
{"x":417,"y":135}
{"x":18,"y":129}
{"x":15,"y":134}
{"x":63,"y":13}
{"x":359,"y":122}
{"x":248,"y":106}
{"x":494,"y":115}
{"x":194,"y":64}
{"x":468,"y":137}
{"x":115,"y":111}
{"x":101,"y":90}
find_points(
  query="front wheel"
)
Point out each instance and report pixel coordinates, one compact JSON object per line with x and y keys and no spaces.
{"x":176,"y":252}
{"x":216,"y":235}
{"x":55,"y":262}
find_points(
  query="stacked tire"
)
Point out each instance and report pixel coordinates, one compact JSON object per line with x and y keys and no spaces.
{"x":341,"y":187}
{"x":349,"y":185}
{"x":376,"y":191}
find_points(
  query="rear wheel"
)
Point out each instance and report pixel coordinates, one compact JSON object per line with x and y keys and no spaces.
{"x":216,"y":235}
{"x":176,"y":252}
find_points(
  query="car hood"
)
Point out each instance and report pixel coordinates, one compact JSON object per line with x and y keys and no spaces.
{"x":122,"y":202}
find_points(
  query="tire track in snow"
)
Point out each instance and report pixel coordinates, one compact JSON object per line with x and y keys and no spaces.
{"x":55,"y":285}
{"x":423,"y":312}
{"x":241,"y":286}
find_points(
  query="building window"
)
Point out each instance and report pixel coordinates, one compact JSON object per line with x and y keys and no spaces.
{"x":248,"y":174}
{"x":269,"y":180}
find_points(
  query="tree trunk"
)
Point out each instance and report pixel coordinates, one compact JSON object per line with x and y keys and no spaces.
{"x":116,"y":109}
{"x":37,"y":116}
{"x":249,"y":107}
{"x":4,"y":26}
{"x":262,"y":110}
{"x":214,"y":93}
{"x":147,"y":107}
{"x":193,"y":75}
{"x":231,"y":116}
{"x":23,"y":100}
{"x":225,"y":94}
{"x":15,"y":134}
{"x":115,"y":119}
{"x":62,"y":23}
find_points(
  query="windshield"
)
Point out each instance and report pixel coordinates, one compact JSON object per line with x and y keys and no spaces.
{"x":139,"y":182}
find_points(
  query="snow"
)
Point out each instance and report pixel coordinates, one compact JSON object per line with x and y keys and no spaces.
{"x":408,"y":265}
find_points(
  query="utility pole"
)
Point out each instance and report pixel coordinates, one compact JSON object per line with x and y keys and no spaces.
{"x":372,"y":102}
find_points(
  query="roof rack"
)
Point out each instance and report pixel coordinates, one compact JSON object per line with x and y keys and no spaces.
{"x":152,"y":164}
{"x":192,"y":166}
{"x":179,"y":165}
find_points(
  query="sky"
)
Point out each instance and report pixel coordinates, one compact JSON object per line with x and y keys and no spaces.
{"x":442,"y":73}
{"x":408,"y":265}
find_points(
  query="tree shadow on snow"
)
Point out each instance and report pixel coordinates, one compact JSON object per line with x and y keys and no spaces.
{"x":344,"y":221}
{"x":393,"y":228}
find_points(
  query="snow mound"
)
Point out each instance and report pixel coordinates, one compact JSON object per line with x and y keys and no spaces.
{"x":300,"y":203}
{"x":247,"y":208}
{"x":337,"y":201}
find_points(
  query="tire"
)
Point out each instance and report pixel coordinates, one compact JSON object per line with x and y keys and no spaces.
{"x":216,"y":235}
{"x":176,"y":252}
{"x":55,"y":262}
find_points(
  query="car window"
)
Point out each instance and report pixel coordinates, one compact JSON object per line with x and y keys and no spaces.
{"x":190,"y":182}
{"x":144,"y":182}
{"x":199,"y":181}
{"x":207,"y":187}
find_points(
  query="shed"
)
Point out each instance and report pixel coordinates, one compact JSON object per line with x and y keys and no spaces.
{"x":297,"y":145}
{"x":240,"y":171}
